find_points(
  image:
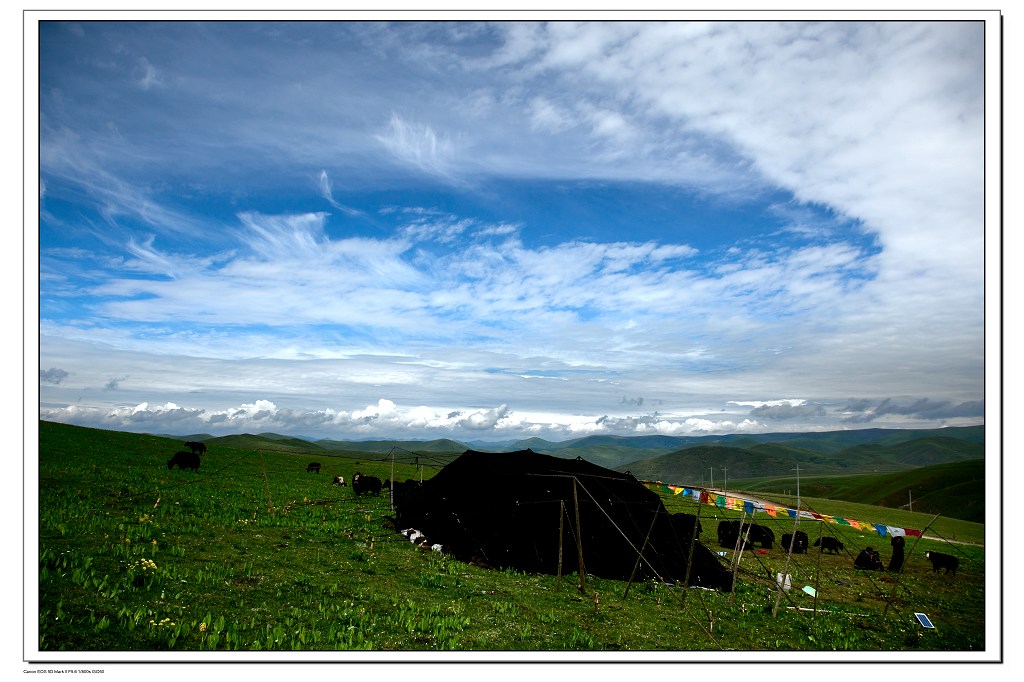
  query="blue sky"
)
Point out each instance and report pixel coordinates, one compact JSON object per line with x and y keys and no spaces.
{"x":488,"y":231}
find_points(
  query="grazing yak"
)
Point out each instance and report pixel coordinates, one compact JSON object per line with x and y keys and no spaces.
{"x":829,"y":544}
{"x":729,"y":531}
{"x":314,"y":467}
{"x":868,"y":560}
{"x":339,"y":480}
{"x":366,"y":484}
{"x":799,"y":542}
{"x":683,"y":525}
{"x":401,"y":489}
{"x":184,"y":460}
{"x":195,"y":447}
{"x":940,"y":560}
{"x":896,"y":562}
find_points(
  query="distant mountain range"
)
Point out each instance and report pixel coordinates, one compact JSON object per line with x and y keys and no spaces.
{"x":937,"y":471}
{"x":684,"y":459}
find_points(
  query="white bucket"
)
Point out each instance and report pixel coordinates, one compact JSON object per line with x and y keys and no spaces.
{"x":784,"y":580}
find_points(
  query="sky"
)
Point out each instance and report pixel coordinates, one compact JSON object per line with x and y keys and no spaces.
{"x":490,"y":231}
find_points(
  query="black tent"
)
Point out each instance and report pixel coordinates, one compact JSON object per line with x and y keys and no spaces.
{"x":506,"y":510}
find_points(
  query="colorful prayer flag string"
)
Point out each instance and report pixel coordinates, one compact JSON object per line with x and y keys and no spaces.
{"x":750,"y":506}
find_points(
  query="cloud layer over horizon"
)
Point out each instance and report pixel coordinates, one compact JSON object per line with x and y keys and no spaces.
{"x":499,"y":230}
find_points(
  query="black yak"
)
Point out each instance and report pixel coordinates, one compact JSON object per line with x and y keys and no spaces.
{"x":366,"y":484}
{"x":940,"y":560}
{"x":683,"y":524}
{"x":729,"y":530}
{"x":896,"y":562}
{"x":728,"y":533}
{"x":401,"y":489}
{"x":184,"y":460}
{"x":339,"y":480}
{"x":761,"y":535}
{"x":799,"y":542}
{"x":314,"y":467}
{"x":868,"y":560}
{"x":196,"y":448}
{"x":829,"y":544}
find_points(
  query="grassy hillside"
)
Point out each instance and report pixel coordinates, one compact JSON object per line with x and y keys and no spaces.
{"x":440,"y":445}
{"x":251,"y":553}
{"x":693,"y":464}
{"x":821,"y":442}
{"x":247,"y":441}
{"x":955,"y":490}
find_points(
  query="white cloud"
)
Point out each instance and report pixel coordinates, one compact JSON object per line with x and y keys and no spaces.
{"x":420,"y":147}
{"x":875,"y":126}
{"x":326,"y":190}
{"x":149,"y":77}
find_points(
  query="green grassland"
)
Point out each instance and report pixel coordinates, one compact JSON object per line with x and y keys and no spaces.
{"x":954,"y":489}
{"x":251,"y":553}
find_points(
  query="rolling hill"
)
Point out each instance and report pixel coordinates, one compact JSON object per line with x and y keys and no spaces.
{"x":937,"y":471}
{"x":704,"y":463}
{"x":743,"y":455}
{"x":954,"y":489}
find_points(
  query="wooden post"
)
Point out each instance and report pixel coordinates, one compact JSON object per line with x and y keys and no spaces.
{"x":741,"y":541}
{"x":689,"y":558}
{"x":561,"y":534}
{"x":391,"y":488}
{"x":640,"y":555}
{"x":778,"y":593}
{"x":579,"y":538}
{"x":906,"y":557}
{"x":817,"y":570}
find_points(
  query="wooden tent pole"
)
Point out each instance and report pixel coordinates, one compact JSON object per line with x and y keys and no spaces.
{"x":391,"y":488}
{"x":778,"y":593}
{"x":579,"y":538}
{"x":907,"y":557}
{"x":689,"y":557}
{"x":561,"y":534}
{"x":640,"y":554}
{"x":741,"y":542}
{"x":817,"y":569}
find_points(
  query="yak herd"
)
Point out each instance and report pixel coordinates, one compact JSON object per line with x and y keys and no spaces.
{"x":731,"y":534}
